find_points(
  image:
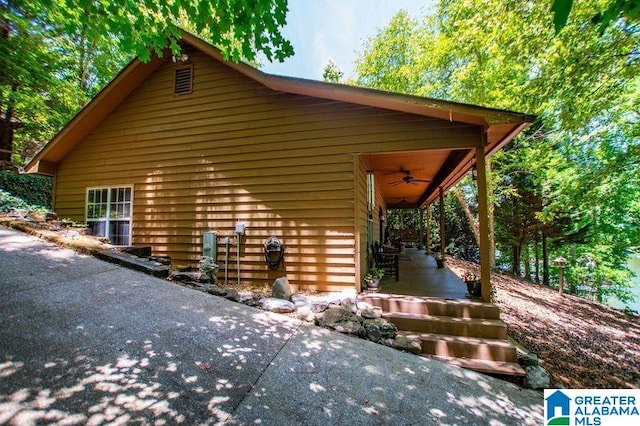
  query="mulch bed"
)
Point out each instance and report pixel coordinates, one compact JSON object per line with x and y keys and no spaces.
{"x":584,"y":344}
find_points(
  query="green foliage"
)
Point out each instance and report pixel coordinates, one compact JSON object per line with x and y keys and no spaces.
{"x":627,"y":9}
{"x":332,"y":73}
{"x":31,"y":190}
{"x":9,"y":202}
{"x":238,"y":27}
{"x":374,"y":273}
{"x":55,"y":56}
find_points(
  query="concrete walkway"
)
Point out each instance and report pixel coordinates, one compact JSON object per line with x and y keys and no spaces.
{"x":86,"y":342}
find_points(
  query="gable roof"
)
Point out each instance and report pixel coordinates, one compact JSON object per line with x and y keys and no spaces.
{"x":501,"y":125}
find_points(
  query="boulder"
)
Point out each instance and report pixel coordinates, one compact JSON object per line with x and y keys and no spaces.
{"x":278,"y":305}
{"x":342,"y":320}
{"x":406,"y":344}
{"x":537,"y":377}
{"x":281,"y":289}
{"x":379,"y":328}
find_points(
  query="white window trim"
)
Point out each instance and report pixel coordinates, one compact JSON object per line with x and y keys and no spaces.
{"x":108,"y":188}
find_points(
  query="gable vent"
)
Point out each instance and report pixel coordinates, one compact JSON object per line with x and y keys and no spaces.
{"x":183,"y":83}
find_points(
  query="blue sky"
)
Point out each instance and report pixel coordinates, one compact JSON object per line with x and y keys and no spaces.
{"x":336,"y":29}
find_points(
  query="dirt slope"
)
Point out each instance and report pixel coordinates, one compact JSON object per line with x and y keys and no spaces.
{"x":582,"y":343}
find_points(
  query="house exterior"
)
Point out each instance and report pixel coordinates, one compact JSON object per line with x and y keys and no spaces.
{"x":171,"y":149}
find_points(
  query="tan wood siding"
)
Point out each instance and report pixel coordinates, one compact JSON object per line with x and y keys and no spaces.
{"x":236,"y":150}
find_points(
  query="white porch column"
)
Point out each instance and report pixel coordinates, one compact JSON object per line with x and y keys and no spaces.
{"x":483,"y":225}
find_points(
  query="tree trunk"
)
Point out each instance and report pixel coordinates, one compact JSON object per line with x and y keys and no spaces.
{"x":515,"y":270}
{"x":491,"y":206}
{"x":527,"y":263}
{"x":467,"y":212}
{"x":537,"y":256}
{"x":545,"y":259}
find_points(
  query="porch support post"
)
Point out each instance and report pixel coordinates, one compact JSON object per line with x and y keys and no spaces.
{"x":428,"y":242}
{"x":442,"y":242}
{"x":421,"y":228}
{"x":483,"y":225}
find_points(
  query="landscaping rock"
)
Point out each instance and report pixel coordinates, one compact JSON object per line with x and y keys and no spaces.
{"x":281,"y":289}
{"x":217,"y":291}
{"x":300,"y":300}
{"x":208,"y":269}
{"x":364,"y":305}
{"x":342,"y":320}
{"x":406,"y":344}
{"x":184,"y":276}
{"x":139,"y":251}
{"x":319,"y":307}
{"x":333,"y":316}
{"x":350,"y":303}
{"x":305,"y":313}
{"x":164,"y":260}
{"x":537,"y":377}
{"x":133,"y":262}
{"x":232,"y":295}
{"x":372,"y":313}
{"x":527,"y":359}
{"x":278,"y":305}
{"x":379,"y":328}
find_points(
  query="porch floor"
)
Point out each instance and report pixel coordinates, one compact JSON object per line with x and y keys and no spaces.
{"x":419,"y":276}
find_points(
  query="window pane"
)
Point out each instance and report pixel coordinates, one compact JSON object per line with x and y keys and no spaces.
{"x":97,"y":228}
{"x":127,"y":194}
{"x":119,"y":232}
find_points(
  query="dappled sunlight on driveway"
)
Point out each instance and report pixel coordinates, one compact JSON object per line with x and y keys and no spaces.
{"x":114,"y":346}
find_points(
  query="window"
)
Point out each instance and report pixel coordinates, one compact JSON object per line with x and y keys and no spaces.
{"x":109,"y":214}
{"x":183,"y":82}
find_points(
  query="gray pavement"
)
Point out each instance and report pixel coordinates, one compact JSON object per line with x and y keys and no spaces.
{"x":86,"y":342}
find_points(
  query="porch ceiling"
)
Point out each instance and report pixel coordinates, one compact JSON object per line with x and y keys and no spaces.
{"x":389,"y":170}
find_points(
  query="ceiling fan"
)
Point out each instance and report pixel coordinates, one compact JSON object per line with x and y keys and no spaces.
{"x":408,"y":179}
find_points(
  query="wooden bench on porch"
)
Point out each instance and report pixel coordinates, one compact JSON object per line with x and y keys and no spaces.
{"x":387,"y":260}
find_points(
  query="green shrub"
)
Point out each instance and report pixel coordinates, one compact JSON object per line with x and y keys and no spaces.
{"x":32,"y":190}
{"x":9,"y":202}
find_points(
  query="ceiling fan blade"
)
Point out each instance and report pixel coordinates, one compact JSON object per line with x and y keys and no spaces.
{"x":422,"y":180}
{"x":395,"y":183}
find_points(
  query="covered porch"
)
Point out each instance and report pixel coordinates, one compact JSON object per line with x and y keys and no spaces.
{"x":431,"y":304}
{"x":419,"y":276}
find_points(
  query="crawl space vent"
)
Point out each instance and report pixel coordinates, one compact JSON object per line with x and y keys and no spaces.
{"x":184,"y":80}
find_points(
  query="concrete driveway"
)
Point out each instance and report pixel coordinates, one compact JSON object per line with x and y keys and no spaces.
{"x":86,"y":342}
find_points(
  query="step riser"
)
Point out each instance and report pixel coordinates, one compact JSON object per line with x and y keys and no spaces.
{"x":435,"y":308}
{"x":454,"y":328}
{"x":462,"y":350}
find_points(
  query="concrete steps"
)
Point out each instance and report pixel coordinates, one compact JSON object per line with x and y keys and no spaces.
{"x":470,"y":327}
{"x":448,"y":346}
{"x":466,"y":333}
{"x":433,"y":306}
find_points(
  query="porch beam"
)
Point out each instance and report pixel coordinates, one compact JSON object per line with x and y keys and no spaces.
{"x":442,"y":242}
{"x":483,"y":225}
{"x":452,"y":162}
